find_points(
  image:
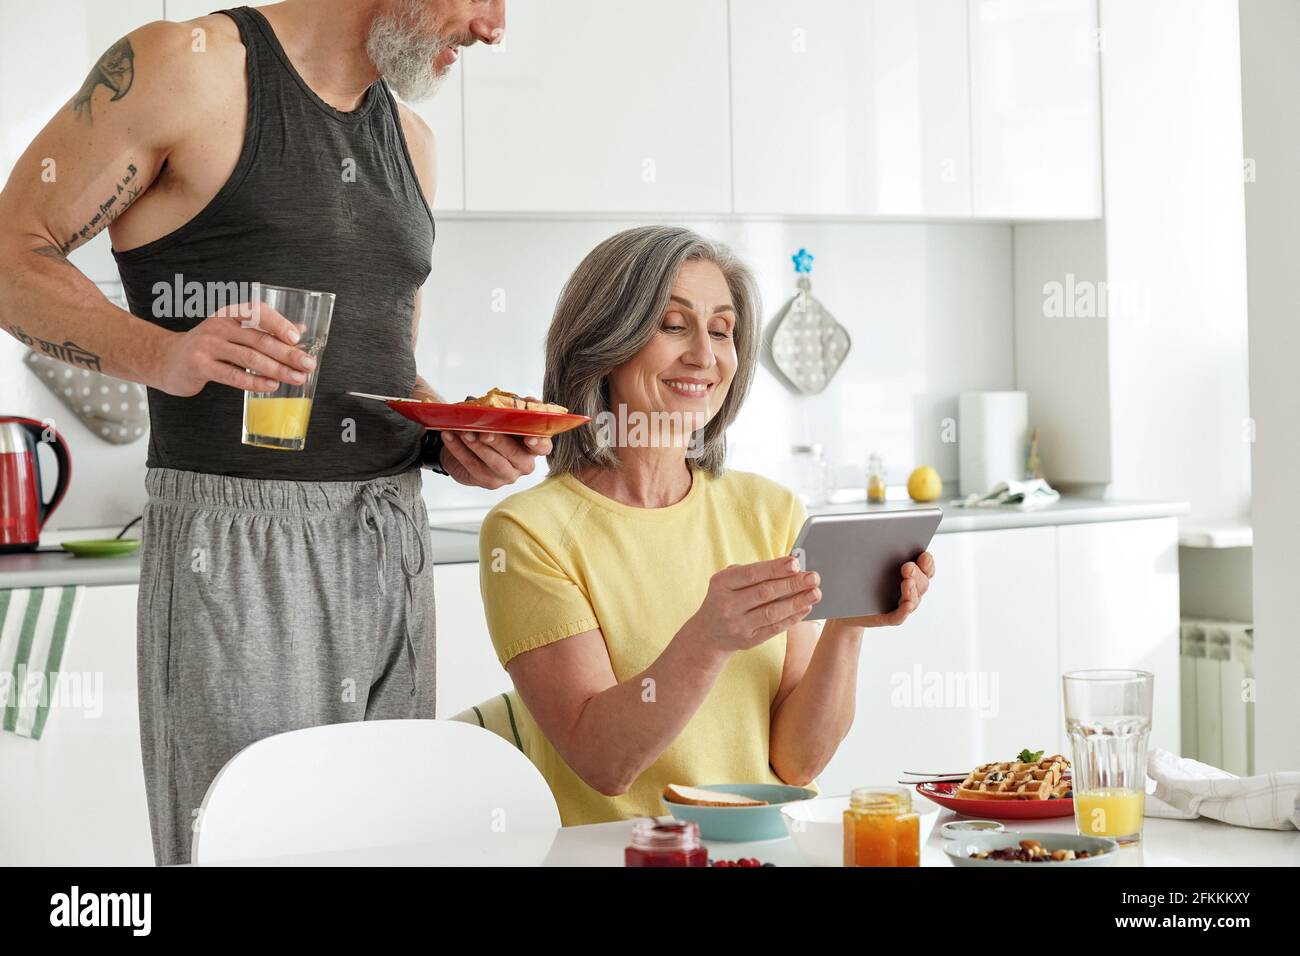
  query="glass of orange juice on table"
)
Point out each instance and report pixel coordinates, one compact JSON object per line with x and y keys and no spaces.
{"x":279,"y":419}
{"x":1108,"y":718}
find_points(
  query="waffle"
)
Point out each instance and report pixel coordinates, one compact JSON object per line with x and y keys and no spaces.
{"x":499,"y":398}
{"x":1046,"y":779}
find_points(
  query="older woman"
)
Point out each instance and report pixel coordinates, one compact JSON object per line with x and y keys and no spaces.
{"x":641,"y":597}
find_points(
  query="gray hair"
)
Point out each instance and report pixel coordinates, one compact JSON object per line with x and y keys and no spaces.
{"x":403,"y":53}
{"x":611,"y":308}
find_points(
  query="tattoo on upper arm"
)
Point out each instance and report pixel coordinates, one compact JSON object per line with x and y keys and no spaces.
{"x":115,"y":70}
{"x":69,"y":352}
{"x":126,"y":191}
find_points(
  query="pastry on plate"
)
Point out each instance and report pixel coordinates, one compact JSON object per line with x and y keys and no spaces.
{"x":500,"y":398}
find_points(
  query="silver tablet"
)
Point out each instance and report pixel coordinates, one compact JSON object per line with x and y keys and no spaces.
{"x":860,"y":557}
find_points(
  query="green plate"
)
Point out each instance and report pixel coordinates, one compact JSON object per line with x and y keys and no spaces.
{"x":111,"y":548}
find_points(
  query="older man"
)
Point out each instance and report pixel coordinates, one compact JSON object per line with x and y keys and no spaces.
{"x":278,"y":590}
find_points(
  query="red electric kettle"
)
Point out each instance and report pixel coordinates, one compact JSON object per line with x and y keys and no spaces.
{"x":23,"y":512}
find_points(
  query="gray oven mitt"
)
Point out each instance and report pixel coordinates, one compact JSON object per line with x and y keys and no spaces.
{"x":114,"y":410}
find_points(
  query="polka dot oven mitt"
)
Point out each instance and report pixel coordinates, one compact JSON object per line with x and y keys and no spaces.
{"x":110,"y":408}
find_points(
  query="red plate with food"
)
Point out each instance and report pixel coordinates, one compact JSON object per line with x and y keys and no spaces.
{"x":1031,"y":787}
{"x":945,"y":795}
{"x":498,"y":412}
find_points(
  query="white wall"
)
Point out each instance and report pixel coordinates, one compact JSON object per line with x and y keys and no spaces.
{"x":1270,"y":35}
{"x":1175,"y":250}
{"x":928,"y":308}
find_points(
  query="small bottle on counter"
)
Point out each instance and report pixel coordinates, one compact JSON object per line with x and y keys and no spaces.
{"x":670,"y":843}
{"x":880,"y":828}
{"x":814,"y":475}
{"x":875,"y":479}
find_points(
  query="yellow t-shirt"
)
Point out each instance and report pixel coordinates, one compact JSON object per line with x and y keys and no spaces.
{"x":560,"y":559}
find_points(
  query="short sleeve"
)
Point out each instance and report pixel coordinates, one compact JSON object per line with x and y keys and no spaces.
{"x":529,"y":599}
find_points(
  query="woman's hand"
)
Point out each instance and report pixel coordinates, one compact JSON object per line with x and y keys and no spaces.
{"x":748,"y":604}
{"x":916,"y":577}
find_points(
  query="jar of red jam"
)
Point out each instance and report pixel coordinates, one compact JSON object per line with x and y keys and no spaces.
{"x":670,"y":843}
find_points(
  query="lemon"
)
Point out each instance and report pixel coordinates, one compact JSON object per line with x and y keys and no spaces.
{"x":924,"y":484}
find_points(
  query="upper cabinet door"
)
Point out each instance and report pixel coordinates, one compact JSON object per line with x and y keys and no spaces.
{"x":1036,"y":100}
{"x":601,"y":106}
{"x":443,"y":114}
{"x":851,"y":107}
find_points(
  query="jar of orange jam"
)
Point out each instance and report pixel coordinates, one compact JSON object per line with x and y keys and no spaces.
{"x":880,"y":828}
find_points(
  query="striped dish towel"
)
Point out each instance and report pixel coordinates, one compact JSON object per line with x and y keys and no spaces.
{"x":1186,"y":789}
{"x":34,"y":627}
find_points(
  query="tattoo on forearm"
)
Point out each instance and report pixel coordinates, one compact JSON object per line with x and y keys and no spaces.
{"x":115,"y":70}
{"x":53,"y":252}
{"x":69,"y":352}
{"x":127,"y":191}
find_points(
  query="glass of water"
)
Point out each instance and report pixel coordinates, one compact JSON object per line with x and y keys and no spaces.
{"x":1108,"y":718}
{"x":279,"y":419}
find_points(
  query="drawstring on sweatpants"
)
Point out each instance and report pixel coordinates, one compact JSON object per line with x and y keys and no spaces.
{"x":371,"y":519}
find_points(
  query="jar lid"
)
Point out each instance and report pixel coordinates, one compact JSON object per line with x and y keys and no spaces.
{"x":953,"y":828}
{"x":665,"y":834}
{"x":881,"y":800}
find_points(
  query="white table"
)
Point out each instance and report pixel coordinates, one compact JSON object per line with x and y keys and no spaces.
{"x":1164,"y":843}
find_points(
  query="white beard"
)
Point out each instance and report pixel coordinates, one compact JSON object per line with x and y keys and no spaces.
{"x":404,"y":55}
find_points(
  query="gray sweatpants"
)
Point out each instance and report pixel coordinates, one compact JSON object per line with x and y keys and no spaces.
{"x":269,"y":606}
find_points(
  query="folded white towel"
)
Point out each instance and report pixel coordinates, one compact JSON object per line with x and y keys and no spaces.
{"x":1016,"y":495}
{"x":1186,"y":789}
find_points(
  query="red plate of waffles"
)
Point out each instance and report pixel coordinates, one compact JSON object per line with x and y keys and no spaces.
{"x":1010,"y":790}
{"x":480,"y":418}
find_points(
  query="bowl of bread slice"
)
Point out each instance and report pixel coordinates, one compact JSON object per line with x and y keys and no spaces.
{"x":734,"y":812}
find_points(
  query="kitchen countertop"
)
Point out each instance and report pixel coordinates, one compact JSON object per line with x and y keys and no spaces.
{"x":455,"y":537}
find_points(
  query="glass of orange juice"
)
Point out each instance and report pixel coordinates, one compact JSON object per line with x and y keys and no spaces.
{"x":279,"y":419}
{"x":1108,"y":718}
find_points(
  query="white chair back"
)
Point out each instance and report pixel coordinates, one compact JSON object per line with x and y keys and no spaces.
{"x":379,"y":783}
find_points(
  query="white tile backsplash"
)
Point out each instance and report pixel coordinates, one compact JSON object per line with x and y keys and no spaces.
{"x":928,"y":307}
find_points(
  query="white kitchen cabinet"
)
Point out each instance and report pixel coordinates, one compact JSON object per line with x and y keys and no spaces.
{"x":1119,"y":608}
{"x":851,"y":107}
{"x":76,"y":796}
{"x":601,"y":106}
{"x":1035,"y":109}
{"x":468,"y":670}
{"x":179,"y":10}
{"x":972,"y":676}
{"x":444,"y":116}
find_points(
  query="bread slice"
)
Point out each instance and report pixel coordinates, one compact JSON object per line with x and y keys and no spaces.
{"x":694,"y":796}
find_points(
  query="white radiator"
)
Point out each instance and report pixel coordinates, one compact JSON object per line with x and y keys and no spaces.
{"x":1218,"y":693}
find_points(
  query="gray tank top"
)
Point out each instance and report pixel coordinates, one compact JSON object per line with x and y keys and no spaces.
{"x":291,"y":215}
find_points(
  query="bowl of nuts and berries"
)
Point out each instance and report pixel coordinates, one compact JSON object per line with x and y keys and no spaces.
{"x":1029,"y":849}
